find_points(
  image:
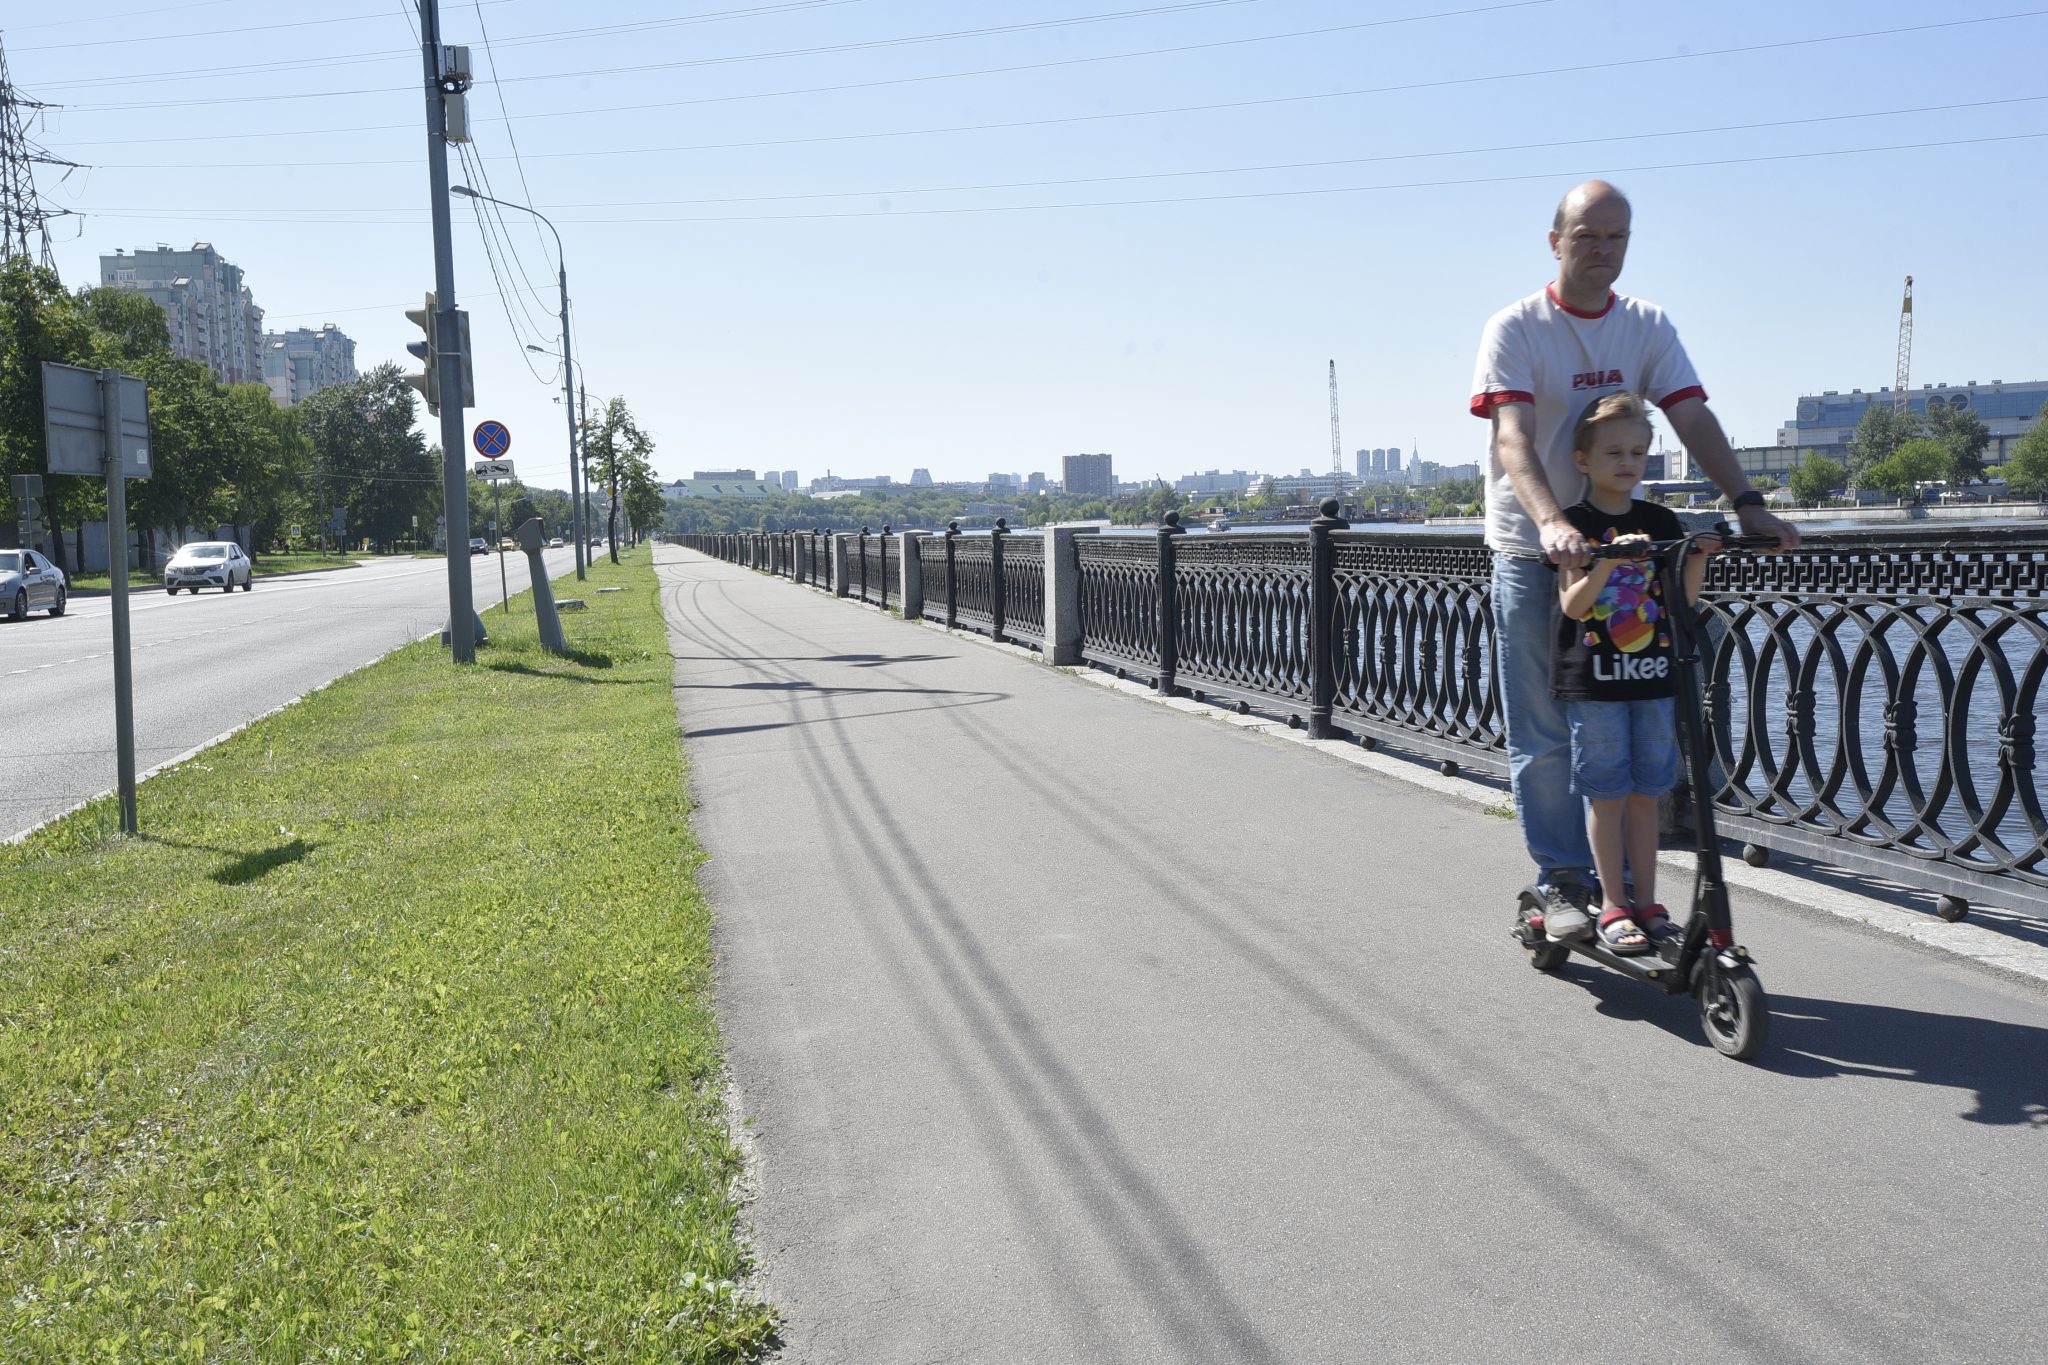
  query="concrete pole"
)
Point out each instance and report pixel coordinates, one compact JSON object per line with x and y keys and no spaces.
{"x":842,"y":551}
{"x":569,"y":405}
{"x":454,"y":472}
{"x":1063,"y":594}
{"x":913,"y":575}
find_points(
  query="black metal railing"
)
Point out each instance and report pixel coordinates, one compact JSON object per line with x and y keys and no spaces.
{"x":1873,"y":698}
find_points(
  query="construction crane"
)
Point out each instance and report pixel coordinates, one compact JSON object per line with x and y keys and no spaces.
{"x":1905,"y":350}
{"x":1336,"y":439}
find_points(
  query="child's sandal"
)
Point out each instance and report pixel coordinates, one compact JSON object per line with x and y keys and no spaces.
{"x":1655,"y":922}
{"x":1621,"y":934}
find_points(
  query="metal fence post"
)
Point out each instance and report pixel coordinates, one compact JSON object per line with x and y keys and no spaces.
{"x":995,"y":592}
{"x":887,"y":532}
{"x":863,"y":548}
{"x":1169,"y":607}
{"x":1322,"y":624}
{"x":952,"y":597}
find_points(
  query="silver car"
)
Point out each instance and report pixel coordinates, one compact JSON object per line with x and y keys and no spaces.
{"x":29,"y":582}
{"x":208,"y":564}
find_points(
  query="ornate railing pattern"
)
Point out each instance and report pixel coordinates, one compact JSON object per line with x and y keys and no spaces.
{"x":1242,"y":611}
{"x":1412,"y":645}
{"x":1120,"y":602}
{"x":1024,"y":589}
{"x":1873,"y":698}
{"x":974,"y":584}
{"x":877,"y":563}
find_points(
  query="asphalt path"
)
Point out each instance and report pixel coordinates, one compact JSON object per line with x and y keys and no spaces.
{"x":203,"y":665}
{"x":1068,"y":1028}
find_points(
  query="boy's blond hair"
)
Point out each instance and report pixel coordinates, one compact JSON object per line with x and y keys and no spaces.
{"x":1615,"y":407}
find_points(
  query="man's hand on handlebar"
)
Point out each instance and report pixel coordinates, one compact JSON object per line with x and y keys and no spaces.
{"x":1760,"y":521}
{"x":1565,"y":545}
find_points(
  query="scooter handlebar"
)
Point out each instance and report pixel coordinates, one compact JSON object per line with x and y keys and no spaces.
{"x":1731,"y":541}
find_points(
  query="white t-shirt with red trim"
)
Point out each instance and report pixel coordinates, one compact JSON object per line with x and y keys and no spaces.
{"x":1540,"y":351}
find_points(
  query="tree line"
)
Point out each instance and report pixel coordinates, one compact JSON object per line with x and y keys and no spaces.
{"x":348,"y":463}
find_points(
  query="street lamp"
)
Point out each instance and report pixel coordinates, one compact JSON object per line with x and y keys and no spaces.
{"x":579,"y":418}
{"x":568,"y":394}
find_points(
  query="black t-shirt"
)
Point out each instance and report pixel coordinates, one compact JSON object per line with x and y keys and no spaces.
{"x":1622,"y":652}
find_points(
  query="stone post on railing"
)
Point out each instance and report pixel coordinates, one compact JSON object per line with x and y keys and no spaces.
{"x":1322,"y":622}
{"x":1063,"y":595}
{"x":1169,"y":607}
{"x":844,"y":543}
{"x":913,"y":574}
{"x":995,"y":571}
{"x":952,"y":595}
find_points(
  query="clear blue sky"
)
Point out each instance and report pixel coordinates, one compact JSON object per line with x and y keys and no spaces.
{"x":780,"y":275}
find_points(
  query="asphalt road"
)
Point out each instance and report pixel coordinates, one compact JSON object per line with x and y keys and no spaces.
{"x":1074,"y":1029}
{"x":202,"y":666}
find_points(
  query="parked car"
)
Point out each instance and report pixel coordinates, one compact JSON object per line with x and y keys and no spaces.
{"x":479,"y":546}
{"x":29,"y":582}
{"x":208,"y":564}
{"x":555,"y":543}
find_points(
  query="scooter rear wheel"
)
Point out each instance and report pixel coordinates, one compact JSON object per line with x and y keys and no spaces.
{"x":1733,"y":1010}
{"x":1546,"y":956}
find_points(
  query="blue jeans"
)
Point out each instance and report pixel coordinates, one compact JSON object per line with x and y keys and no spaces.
{"x":1551,"y":815}
{"x":1623,"y":748}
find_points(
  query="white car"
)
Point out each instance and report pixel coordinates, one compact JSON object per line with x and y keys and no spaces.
{"x":29,"y":582}
{"x":555,"y":544}
{"x":208,"y":564}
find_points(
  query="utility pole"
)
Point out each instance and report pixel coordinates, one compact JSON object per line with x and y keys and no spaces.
{"x":22,"y":211}
{"x":444,"y":79}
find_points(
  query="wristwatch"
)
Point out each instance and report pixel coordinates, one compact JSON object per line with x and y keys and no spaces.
{"x":1748,"y":497}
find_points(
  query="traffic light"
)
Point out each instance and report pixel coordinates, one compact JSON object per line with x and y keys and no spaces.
{"x":427,"y":350}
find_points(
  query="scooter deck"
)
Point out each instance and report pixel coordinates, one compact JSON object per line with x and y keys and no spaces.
{"x":1653,"y":967}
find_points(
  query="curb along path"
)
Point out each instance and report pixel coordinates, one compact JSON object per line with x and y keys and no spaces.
{"x":1071,"y":1030}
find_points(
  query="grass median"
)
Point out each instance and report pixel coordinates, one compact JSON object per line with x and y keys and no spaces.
{"x":390,"y":1036}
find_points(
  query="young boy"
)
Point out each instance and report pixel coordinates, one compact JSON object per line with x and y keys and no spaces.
{"x":1613,"y":667}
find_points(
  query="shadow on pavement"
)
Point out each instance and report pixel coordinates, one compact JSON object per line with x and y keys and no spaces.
{"x":2004,"y":1066}
{"x":851,"y":660}
{"x":965,"y":699}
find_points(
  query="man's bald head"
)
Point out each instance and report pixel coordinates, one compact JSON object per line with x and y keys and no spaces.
{"x":1584,"y":196}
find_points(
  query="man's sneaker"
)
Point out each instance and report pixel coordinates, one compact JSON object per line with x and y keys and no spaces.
{"x":1564,"y":912}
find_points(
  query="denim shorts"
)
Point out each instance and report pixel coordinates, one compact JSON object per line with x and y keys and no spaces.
{"x":1622,"y":748}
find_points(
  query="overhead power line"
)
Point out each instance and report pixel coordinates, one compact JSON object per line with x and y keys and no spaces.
{"x":868,"y":85}
{"x":864,"y":45}
{"x":1579,"y":172}
{"x":393,"y":53}
{"x":1265,"y":167}
{"x":1446,"y":82}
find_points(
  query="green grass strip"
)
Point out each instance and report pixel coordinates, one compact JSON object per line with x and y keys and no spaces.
{"x":390,"y":1037}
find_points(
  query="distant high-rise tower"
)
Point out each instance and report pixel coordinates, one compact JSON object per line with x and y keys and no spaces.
{"x":1088,"y":476}
{"x":1393,"y":459}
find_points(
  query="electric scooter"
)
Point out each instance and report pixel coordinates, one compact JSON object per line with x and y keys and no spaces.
{"x":1703,"y":958}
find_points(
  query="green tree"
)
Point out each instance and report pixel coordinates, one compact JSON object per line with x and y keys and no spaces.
{"x":1963,"y":435}
{"x":38,"y":322}
{"x":2026,"y":469}
{"x":368,"y":460}
{"x":1817,"y":478}
{"x":1911,"y":464}
{"x":1877,"y":438}
{"x":621,"y":453}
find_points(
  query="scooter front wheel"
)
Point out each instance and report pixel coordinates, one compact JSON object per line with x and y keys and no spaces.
{"x":1733,"y":1010}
